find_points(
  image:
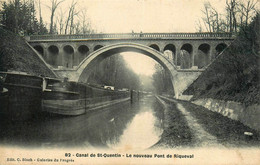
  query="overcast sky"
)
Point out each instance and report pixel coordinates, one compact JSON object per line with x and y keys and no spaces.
{"x":116,"y":16}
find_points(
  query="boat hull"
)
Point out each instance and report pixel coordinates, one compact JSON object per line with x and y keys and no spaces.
{"x":70,"y":98}
{"x":24,"y":96}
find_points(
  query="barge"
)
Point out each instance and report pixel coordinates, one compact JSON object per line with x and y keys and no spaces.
{"x":21,"y":95}
{"x":24,"y":96}
{"x":72,"y":98}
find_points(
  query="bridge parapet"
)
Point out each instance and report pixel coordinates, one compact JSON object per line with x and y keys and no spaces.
{"x":133,"y":36}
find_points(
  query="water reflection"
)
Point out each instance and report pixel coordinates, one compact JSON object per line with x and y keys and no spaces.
{"x":141,"y":133}
{"x":137,"y":125}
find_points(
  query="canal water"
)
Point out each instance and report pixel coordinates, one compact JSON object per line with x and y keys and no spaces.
{"x":122,"y":126}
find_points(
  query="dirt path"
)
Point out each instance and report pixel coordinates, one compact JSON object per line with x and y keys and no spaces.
{"x":206,"y":128}
{"x":201,"y":137}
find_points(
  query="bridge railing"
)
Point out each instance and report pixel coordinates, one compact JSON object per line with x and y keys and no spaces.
{"x":130,"y":36}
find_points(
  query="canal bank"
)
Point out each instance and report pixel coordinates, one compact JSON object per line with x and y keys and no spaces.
{"x":227,"y":133}
{"x":248,"y":115}
{"x":17,"y":55}
{"x":230,"y":85}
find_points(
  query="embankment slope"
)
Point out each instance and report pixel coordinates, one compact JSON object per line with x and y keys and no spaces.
{"x":16,"y":55}
{"x":234,"y":75}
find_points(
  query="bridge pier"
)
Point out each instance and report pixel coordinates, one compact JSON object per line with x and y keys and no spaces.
{"x":182,"y":80}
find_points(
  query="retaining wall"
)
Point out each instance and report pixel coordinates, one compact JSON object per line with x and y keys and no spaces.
{"x":250,"y":116}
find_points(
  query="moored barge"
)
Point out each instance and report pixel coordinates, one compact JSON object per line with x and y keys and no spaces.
{"x":71,"y":98}
{"x":24,"y":96}
{"x":21,"y":95}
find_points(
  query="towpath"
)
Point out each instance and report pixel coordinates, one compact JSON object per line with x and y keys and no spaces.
{"x":189,"y":125}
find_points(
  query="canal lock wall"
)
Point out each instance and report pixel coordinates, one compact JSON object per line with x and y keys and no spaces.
{"x":248,"y":115}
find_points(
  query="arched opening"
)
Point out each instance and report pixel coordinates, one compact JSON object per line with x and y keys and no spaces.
{"x":83,"y":49}
{"x":53,"y":55}
{"x":154,"y":46}
{"x":90,"y":62}
{"x":39,"y":49}
{"x":93,"y":62}
{"x":68,"y":56}
{"x":97,"y":47}
{"x":68,"y":49}
{"x":220,"y":48}
{"x":172,"y":48}
{"x":53,"y":49}
{"x":202,"y":58}
{"x":187,"y":47}
{"x":185,"y":57}
{"x":83,"y":52}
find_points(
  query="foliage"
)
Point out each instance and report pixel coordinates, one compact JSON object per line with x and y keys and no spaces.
{"x":114,"y":71}
{"x":162,"y":81}
{"x":234,"y":75}
{"x":238,"y":14}
{"x":19,"y":17}
{"x":16,"y":55}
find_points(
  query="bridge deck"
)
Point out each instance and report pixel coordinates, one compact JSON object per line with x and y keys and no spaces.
{"x":133,"y":36}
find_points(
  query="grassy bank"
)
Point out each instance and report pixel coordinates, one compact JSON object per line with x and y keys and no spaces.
{"x":234,"y":75}
{"x":16,"y":55}
{"x":229,"y":133}
{"x":177,"y":133}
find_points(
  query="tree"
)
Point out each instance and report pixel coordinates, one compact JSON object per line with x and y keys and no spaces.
{"x":162,"y":81}
{"x":247,"y":11}
{"x":231,"y":8}
{"x":114,"y":71}
{"x":43,"y":29}
{"x":213,"y":20}
{"x":70,"y":19}
{"x":53,"y":7}
{"x":61,"y":22}
{"x":86,"y":25}
{"x":19,"y":17}
{"x":238,"y":14}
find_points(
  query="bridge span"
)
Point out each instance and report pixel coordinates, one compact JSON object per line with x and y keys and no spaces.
{"x":184,"y":55}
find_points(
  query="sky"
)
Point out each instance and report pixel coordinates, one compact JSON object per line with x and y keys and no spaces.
{"x":123,"y":16}
{"x":139,"y":63}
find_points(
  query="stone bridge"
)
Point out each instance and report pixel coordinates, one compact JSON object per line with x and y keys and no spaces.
{"x":184,"y":55}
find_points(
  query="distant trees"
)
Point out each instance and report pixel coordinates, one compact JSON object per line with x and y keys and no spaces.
{"x":238,"y":14}
{"x":249,"y":38}
{"x":20,"y":17}
{"x":114,"y":71}
{"x":162,"y":81}
{"x":53,"y":7}
{"x":74,"y":21}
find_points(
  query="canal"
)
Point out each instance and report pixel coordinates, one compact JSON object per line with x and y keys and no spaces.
{"x":123,"y":126}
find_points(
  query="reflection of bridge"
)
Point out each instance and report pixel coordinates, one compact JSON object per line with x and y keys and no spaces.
{"x":183,"y":54}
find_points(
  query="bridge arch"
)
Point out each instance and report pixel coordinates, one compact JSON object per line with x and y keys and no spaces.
{"x":187,"y":47}
{"x":201,"y":59}
{"x":83,"y":52}
{"x":185,"y":56}
{"x":86,"y":66}
{"x":39,"y":49}
{"x":219,"y":48}
{"x":172,"y":48}
{"x":83,"y":49}
{"x":155,"y":46}
{"x":97,"y":47}
{"x":68,"y":56}
{"x":53,"y":55}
